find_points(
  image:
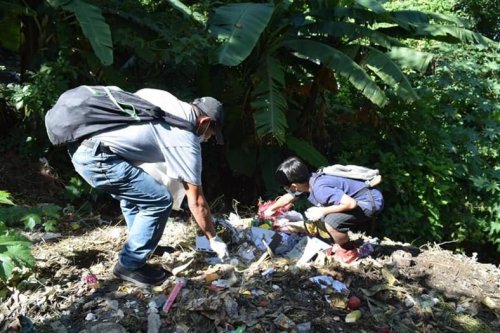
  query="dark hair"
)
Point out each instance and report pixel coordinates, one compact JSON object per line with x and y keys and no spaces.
{"x":292,"y":170}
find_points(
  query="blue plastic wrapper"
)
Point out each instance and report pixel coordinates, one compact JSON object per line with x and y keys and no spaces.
{"x":365,"y":250}
{"x":288,"y":242}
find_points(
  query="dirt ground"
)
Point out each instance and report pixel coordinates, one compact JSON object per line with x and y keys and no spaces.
{"x":401,"y":288}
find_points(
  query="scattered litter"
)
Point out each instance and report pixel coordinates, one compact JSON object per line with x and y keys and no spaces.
{"x":327,"y":281}
{"x":181,"y":268}
{"x":261,"y":212}
{"x":353,"y":316}
{"x":173,"y":294}
{"x":234,"y":225}
{"x":222,"y":283}
{"x":90,"y":280}
{"x":90,"y":317}
{"x":259,"y":235}
{"x":51,"y":236}
{"x":304,"y":327}
{"x":313,"y":246}
{"x":246,"y":253}
{"x":287,"y":243}
{"x":284,"y":322}
{"x":260,"y":288}
{"x":203,"y":244}
{"x":354,"y":303}
{"x":154,"y":321}
{"x":268,"y":272}
{"x":365,"y":250}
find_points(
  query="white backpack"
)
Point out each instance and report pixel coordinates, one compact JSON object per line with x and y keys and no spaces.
{"x":371,"y":177}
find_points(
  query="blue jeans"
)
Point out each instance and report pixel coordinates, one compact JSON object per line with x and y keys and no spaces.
{"x":145,"y":203}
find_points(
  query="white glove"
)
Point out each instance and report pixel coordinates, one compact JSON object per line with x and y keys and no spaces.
{"x":268,"y":212}
{"x":219,"y":247}
{"x":314,"y":213}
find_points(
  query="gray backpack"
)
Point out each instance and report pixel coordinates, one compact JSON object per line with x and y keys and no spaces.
{"x":371,"y":177}
{"x":87,"y":110}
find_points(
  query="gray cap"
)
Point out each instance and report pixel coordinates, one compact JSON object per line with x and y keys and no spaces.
{"x":212,"y":108}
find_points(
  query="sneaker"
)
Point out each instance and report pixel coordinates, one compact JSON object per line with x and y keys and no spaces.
{"x":346,"y":256}
{"x":145,"y":276}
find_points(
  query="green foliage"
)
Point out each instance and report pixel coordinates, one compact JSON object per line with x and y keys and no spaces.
{"x":45,"y":86}
{"x":15,"y":249}
{"x":484,"y":14}
{"x":78,"y":189}
{"x":268,"y":102}
{"x":45,"y":215}
{"x":10,"y":30}
{"x":238,"y":26}
{"x":31,"y":101}
{"x":295,"y":45}
{"x":439,"y":156}
{"x":5,"y":198}
{"x":340,"y":63}
{"x":93,"y":26}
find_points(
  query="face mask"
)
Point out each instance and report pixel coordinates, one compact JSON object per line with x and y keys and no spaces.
{"x":295,"y":194}
{"x":203,"y":136}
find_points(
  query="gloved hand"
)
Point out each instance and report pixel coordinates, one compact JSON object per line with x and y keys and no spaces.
{"x":314,"y":213}
{"x":219,"y":247}
{"x":268,"y":212}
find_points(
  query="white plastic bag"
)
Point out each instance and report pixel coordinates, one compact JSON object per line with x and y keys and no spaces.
{"x":159,"y":172}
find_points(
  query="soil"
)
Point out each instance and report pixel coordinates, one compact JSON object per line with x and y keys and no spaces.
{"x":402,"y":288}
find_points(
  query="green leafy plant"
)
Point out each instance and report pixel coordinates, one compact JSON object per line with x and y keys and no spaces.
{"x":439,"y":155}
{"x":286,"y":57}
{"x":93,"y":26}
{"x":44,"y":215}
{"x":5,"y":198}
{"x":15,"y":249}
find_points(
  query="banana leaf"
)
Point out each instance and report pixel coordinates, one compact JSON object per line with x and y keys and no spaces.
{"x":349,"y":30}
{"x":372,"y":5}
{"x":411,"y":58}
{"x":342,"y":64}
{"x":93,"y":25}
{"x":382,"y":65}
{"x":269,"y":102}
{"x":238,"y":27}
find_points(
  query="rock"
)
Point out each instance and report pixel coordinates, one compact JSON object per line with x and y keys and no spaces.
{"x":58,"y":327}
{"x":107,"y":327}
{"x":402,"y":258}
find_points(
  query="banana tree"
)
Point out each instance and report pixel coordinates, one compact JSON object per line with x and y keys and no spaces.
{"x":93,"y":25}
{"x":286,"y":46}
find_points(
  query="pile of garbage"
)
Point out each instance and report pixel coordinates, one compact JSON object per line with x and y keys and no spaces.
{"x":265,"y":252}
{"x":280,"y":276}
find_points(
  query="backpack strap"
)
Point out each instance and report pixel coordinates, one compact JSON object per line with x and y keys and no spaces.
{"x":370,"y":196}
{"x":318,"y":174}
{"x":363,"y":190}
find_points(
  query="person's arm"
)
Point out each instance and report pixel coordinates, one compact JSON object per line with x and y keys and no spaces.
{"x":198,"y":206}
{"x":282,"y":201}
{"x":316,"y":213}
{"x":346,"y":204}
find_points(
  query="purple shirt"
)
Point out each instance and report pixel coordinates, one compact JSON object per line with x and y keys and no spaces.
{"x":327,"y":190}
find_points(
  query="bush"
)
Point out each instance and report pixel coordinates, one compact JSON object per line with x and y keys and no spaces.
{"x":439,"y":157}
{"x":15,"y":249}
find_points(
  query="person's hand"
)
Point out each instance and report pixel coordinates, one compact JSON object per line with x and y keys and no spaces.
{"x":219,"y":247}
{"x":314,"y":213}
{"x":268,"y":212}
